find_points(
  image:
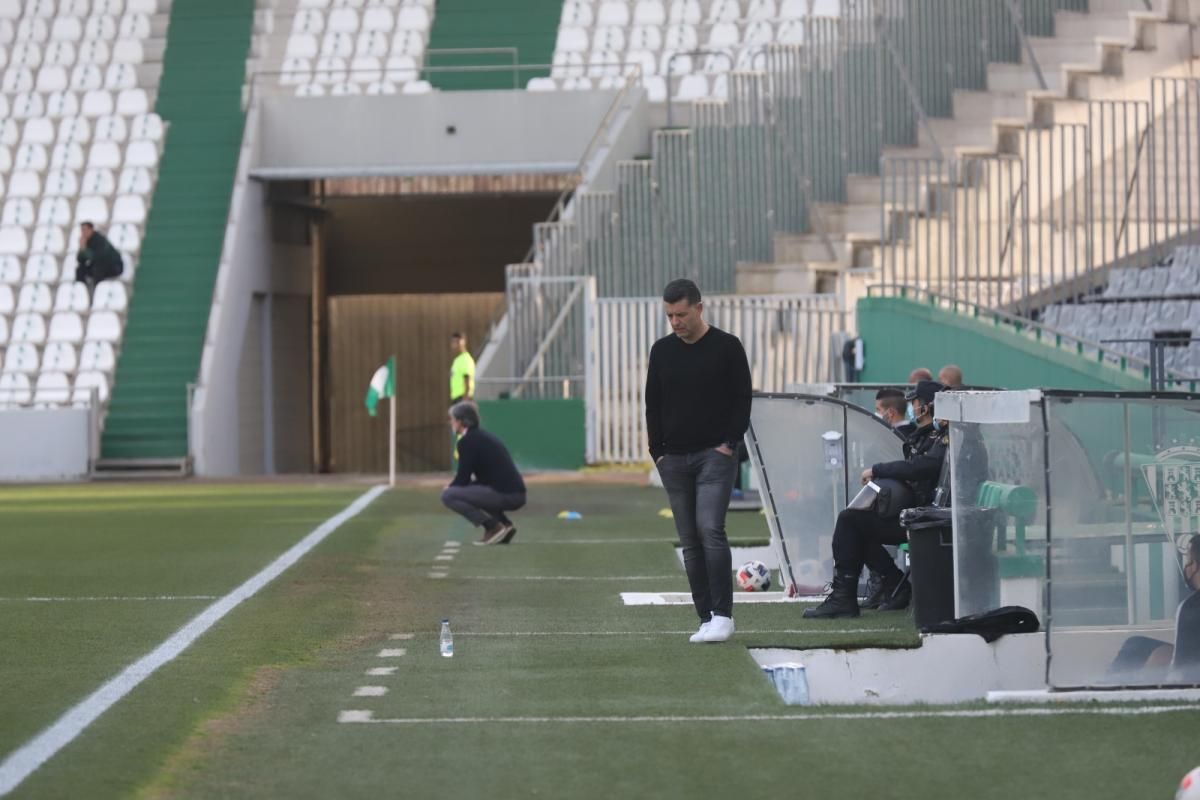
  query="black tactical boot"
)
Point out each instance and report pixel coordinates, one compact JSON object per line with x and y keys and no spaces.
{"x":900,"y":596}
{"x":875,"y":591}
{"x":842,"y":600}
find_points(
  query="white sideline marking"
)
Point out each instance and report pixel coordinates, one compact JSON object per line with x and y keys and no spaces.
{"x":402,"y":637}
{"x":370,"y":691}
{"x":23,"y":761}
{"x":145,"y":599}
{"x":444,"y":557}
{"x":452,"y":544}
{"x":392,"y":652}
{"x":438,"y":575}
{"x":689,"y":632}
{"x":368,"y":717}
{"x":575,"y":577}
{"x":379,"y":671}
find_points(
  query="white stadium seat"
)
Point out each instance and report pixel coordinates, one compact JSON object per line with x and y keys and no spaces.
{"x":104,"y":326}
{"x":408,"y":43}
{"x":85,"y":383}
{"x":7,"y":303}
{"x":41,"y":268}
{"x":110,"y":296}
{"x":28,"y":105}
{"x":541,"y":85}
{"x":35,"y":298}
{"x":100,"y":26}
{"x":17,"y":79}
{"x":401,"y":69}
{"x":344,"y":89}
{"x":86,"y":77}
{"x":113,"y":8}
{"x":33,"y":29}
{"x":110,"y":128}
{"x":10,"y":133}
{"x":295,"y":71}
{"x":92,"y":209}
{"x":125,"y":238}
{"x":28,"y":328}
{"x":308,"y":20}
{"x":303,"y":46}
{"x":59,"y":54}
{"x":567,"y":65}
{"x":97,"y":103}
{"x":758,"y":34}
{"x":682,"y":38}
{"x":134,"y":26}
{"x":66,"y":326}
{"x":67,"y":155}
{"x":98,"y":356}
{"x":10,"y":272}
{"x":613,"y":12}
{"x":577,"y":13}
{"x":62,"y":104}
{"x":372,"y":43}
{"x":120,"y":76}
{"x":54,"y":211}
{"x":71,"y":297}
{"x":25,"y":54}
{"x":15,"y":388}
{"x":32,"y":157}
{"x":330,"y":70}
{"x":571,"y":40}
{"x":413,"y":18}
{"x":762,"y":10}
{"x":52,"y":79}
{"x":24,"y":184}
{"x":608,"y":38}
{"x":684,"y":11}
{"x":381,"y":87}
{"x":61,"y":356}
{"x":793,"y":9}
{"x":94,"y":51}
{"x":342,"y":20}
{"x":61,"y":183}
{"x":417,"y":87}
{"x":649,"y":12}
{"x":134,"y":180}
{"x":692,"y":87}
{"x":23,"y":358}
{"x":645,"y":38}
{"x":39,"y":130}
{"x":74,"y":129}
{"x":366,"y":69}
{"x":53,"y":388}
{"x":338,"y":44}
{"x":48,"y":239}
{"x":104,"y":155}
{"x":18,"y":211}
{"x":131,"y":102}
{"x":98,"y":181}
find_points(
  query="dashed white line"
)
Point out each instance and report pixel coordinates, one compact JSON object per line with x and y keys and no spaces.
{"x":438,"y":575}
{"x":817,"y":716}
{"x":370,"y":691}
{"x":114,"y":598}
{"x":443,"y":558}
{"x":392,"y":652}
{"x":400,"y":637}
{"x":381,"y":671}
{"x":21,"y":763}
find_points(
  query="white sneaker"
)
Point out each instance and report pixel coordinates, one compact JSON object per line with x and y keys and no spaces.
{"x":698,"y":636}
{"x":719,"y":629}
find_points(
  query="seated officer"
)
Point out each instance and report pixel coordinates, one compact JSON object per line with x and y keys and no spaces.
{"x":859,"y":536}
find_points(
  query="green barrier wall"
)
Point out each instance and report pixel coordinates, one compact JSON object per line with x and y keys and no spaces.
{"x":900,"y":335}
{"x":540,"y":434}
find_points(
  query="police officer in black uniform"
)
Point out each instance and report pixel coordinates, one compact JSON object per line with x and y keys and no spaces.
{"x":859,"y":536}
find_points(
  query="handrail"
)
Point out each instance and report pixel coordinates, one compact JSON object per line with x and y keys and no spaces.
{"x":906,"y":81}
{"x":1018,"y":20}
{"x":480,"y":51}
{"x":1020,"y":323}
{"x":1131,"y":186}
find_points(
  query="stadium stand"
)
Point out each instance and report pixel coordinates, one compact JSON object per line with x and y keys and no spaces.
{"x":1140,"y":303}
{"x":79,"y":141}
{"x":199,"y":98}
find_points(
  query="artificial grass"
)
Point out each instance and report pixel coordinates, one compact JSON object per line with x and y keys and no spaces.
{"x":251,"y":709}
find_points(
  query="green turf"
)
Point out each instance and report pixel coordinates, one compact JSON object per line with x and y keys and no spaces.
{"x":250,"y":710}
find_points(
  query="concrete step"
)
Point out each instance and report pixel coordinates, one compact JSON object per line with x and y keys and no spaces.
{"x":1075,"y":25}
{"x":778,"y":278}
{"x":971,"y":105}
{"x":839,"y":219}
{"x":864,"y":189}
{"x":1022,"y":78}
{"x":1054,"y":51}
{"x":805,"y":248}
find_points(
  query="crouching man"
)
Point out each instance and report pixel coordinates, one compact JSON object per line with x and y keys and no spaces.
{"x":487,"y":483}
{"x":859,"y":536}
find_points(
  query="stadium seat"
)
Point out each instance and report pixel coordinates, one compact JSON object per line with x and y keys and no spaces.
{"x":613,"y":12}
{"x":692,"y":87}
{"x":413,"y":18}
{"x":577,"y":13}
{"x":85,"y":383}
{"x":54,"y":211}
{"x":110,"y":296}
{"x":51,"y":79}
{"x":66,"y":29}
{"x":372,"y":43}
{"x":128,"y":51}
{"x":762,"y":10}
{"x":60,"y":54}
{"x":39,"y":131}
{"x":645,"y":38}
{"x":758,"y":34}
{"x":86,"y":78}
{"x":74,"y":129}
{"x":72,"y":297}
{"x":7,"y":301}
{"x":378,"y":18}
{"x":407,"y":43}
{"x":604,"y":63}
{"x":22,"y":357}
{"x":125,"y":238}
{"x":33,"y":29}
{"x":567,"y":65}
{"x":308,"y":20}
{"x":571,"y":40}
{"x":110,"y":128}
{"x":98,"y":181}
{"x":29,"y":328}
{"x":5,"y":159}
{"x":97,"y":103}
{"x":10,"y":271}
{"x":577,"y":84}
{"x":31,"y":157}
{"x":541,"y":85}
{"x":104,"y":155}
{"x":42,"y":268}
{"x":60,"y":357}
{"x":119,"y":77}
{"x":366,"y":69}
{"x":131,"y":102}
{"x":134,"y":26}
{"x":48,"y":239}
{"x":141,"y":154}
{"x":35,"y":298}
{"x":25,"y":54}
{"x":94,"y":51}
{"x":92,"y":209}
{"x":100,"y":26}
{"x":381,"y":88}
{"x":97,"y":356}
{"x":17,"y":79}
{"x":643,"y":60}
{"x":656,"y":89}
{"x":24,"y":184}
{"x":67,"y":326}
{"x":18,"y":211}
{"x":104,"y":326}
{"x":53,"y":388}
{"x":310,"y":90}
{"x":295,"y":71}
{"x":723,"y":36}
{"x":674,"y":64}
{"x":134,"y":180}
{"x":720,"y":11}
{"x":608,"y":39}
{"x":401,"y":69}
{"x":345,"y":88}
{"x":67,"y":155}
{"x":303,"y":46}
{"x":15,"y":389}
{"x":682,"y":38}
{"x":342,"y":20}
{"x":417,"y":87}
{"x":649,"y":12}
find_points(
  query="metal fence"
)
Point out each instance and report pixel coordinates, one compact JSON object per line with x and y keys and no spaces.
{"x":548,"y":322}
{"x":1044,"y":223}
{"x":788,"y":339}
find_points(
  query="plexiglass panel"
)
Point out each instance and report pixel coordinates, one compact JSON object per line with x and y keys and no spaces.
{"x":809,"y":452}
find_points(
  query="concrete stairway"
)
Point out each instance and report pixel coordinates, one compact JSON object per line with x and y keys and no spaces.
{"x":1111,"y":52}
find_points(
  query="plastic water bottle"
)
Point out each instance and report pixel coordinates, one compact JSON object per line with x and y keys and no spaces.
{"x":447,"y":641}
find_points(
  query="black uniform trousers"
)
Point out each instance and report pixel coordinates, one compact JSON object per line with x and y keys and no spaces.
{"x":858,"y":539}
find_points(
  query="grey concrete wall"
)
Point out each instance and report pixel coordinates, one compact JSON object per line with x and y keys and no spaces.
{"x":494,"y":132}
{"x":45,"y":444}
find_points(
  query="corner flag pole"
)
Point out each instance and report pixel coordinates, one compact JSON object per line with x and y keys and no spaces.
{"x":392,"y":442}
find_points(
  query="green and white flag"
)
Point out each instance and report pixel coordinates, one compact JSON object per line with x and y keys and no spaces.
{"x":383,"y":384}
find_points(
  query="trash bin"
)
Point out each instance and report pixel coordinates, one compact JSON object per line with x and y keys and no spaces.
{"x":931,"y":563}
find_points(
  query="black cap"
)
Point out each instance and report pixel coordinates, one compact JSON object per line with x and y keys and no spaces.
{"x":924,"y":391}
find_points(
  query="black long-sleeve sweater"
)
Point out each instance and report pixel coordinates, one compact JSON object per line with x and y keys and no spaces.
{"x":697,"y":395}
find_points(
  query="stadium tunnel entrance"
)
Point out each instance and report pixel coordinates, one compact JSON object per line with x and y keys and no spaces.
{"x":393,"y":266}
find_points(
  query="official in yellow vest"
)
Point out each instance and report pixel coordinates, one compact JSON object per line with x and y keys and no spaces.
{"x":462,"y":370}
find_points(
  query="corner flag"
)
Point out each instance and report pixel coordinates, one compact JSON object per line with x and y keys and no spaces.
{"x":383,"y":384}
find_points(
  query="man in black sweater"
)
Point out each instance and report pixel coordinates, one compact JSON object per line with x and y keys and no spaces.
{"x":97,"y":259}
{"x":487,"y":483}
{"x":697,"y":411}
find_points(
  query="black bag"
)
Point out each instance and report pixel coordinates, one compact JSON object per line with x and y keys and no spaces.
{"x":991,"y":625}
{"x":894,"y":497}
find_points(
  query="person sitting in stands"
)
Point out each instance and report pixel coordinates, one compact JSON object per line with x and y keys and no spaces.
{"x":97,"y":259}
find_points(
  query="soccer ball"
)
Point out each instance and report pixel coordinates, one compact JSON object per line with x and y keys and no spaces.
{"x":1189,"y":787}
{"x":753,"y":576}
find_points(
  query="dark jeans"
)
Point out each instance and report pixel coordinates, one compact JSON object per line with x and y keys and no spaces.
{"x":698,"y":486}
{"x":481,"y":504}
{"x":858,"y":539}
